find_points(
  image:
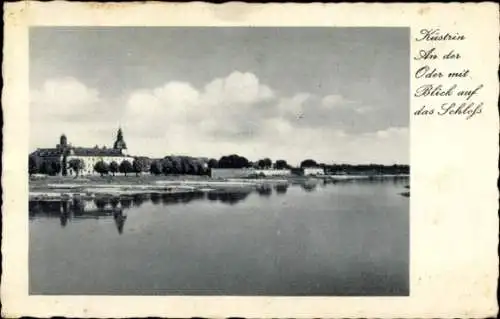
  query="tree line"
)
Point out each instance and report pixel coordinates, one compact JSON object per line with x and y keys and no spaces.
{"x":181,"y":165}
{"x":186,"y":165}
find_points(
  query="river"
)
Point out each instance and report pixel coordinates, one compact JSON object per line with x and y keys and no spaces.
{"x":343,"y":239}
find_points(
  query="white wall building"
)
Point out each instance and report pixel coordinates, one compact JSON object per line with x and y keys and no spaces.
{"x":247,"y":172}
{"x":309,"y":171}
{"x":64,"y":152}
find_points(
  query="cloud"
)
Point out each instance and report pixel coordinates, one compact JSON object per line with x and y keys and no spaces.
{"x":237,"y":88}
{"x":66,"y":105}
{"x":225,"y":107}
{"x":233,"y":114}
{"x":63,"y":97}
{"x":293,"y":106}
{"x":334,"y":100}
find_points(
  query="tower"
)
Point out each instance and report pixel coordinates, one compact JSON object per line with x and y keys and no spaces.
{"x":120,"y":142}
{"x":63,"y":141}
{"x":63,"y":148}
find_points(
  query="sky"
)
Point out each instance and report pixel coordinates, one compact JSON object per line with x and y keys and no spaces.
{"x":336,"y":95}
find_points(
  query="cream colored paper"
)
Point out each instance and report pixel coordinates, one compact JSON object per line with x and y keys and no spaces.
{"x":454,"y":198}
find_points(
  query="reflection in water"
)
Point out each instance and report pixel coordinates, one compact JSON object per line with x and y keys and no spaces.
{"x":125,"y":202}
{"x":65,"y":209}
{"x":300,"y":243}
{"x":79,"y":209}
{"x":180,"y":198}
{"x":119,"y":218}
{"x":227,"y":197}
{"x":281,"y":188}
{"x":114,"y":207}
{"x":101,"y":204}
{"x":139,"y":199}
{"x":155,"y":198}
{"x":369,"y":180}
{"x":115,"y":201}
{"x":265,"y":190}
{"x":309,"y":187}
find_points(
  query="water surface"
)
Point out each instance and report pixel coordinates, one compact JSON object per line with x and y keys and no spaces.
{"x":349,"y":238}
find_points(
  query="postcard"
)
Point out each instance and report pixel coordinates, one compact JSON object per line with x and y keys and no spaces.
{"x":250,"y":160}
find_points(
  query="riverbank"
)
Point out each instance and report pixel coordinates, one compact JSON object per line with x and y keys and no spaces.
{"x":88,"y":187}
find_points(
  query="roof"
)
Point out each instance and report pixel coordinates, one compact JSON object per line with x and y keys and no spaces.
{"x":78,"y":151}
{"x":92,"y":151}
{"x":48,"y":152}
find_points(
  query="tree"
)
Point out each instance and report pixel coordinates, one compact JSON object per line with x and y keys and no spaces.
{"x":101,"y":168}
{"x":233,"y":161}
{"x":264,"y":163}
{"x":281,"y":164}
{"x":177,"y":166}
{"x":213,"y":163}
{"x":204,"y":169}
{"x":140,"y":165}
{"x":191,"y":166}
{"x":308,"y":163}
{"x":196,"y":168}
{"x":114,"y":168}
{"x":56,"y":167}
{"x":45,"y":168}
{"x":186,"y":165}
{"x":125,"y":167}
{"x":268,"y":163}
{"x":166,"y":166}
{"x":76,"y":164}
{"x":50,"y":167}
{"x":155,"y":168}
{"x":33,"y":165}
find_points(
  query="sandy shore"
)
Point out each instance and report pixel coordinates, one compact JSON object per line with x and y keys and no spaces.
{"x":53,"y":188}
{"x":91,"y":189}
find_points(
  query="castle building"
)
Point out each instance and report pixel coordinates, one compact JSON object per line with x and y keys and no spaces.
{"x":64,"y":152}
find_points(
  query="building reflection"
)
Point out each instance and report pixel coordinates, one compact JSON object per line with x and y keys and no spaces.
{"x":116,"y":207}
{"x":77,"y":209}
{"x":65,"y":210}
{"x":125,"y":202}
{"x":119,"y":218}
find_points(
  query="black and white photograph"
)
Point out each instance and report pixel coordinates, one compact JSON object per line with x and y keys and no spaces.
{"x":219,"y":161}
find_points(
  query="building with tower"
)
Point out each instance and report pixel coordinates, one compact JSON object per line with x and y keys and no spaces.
{"x":64,"y":152}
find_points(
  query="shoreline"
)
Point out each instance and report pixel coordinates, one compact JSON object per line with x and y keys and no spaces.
{"x":61,"y":188}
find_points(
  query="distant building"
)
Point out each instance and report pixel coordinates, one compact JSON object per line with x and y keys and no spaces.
{"x":247,"y":172}
{"x":64,"y":152}
{"x":309,"y":171}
